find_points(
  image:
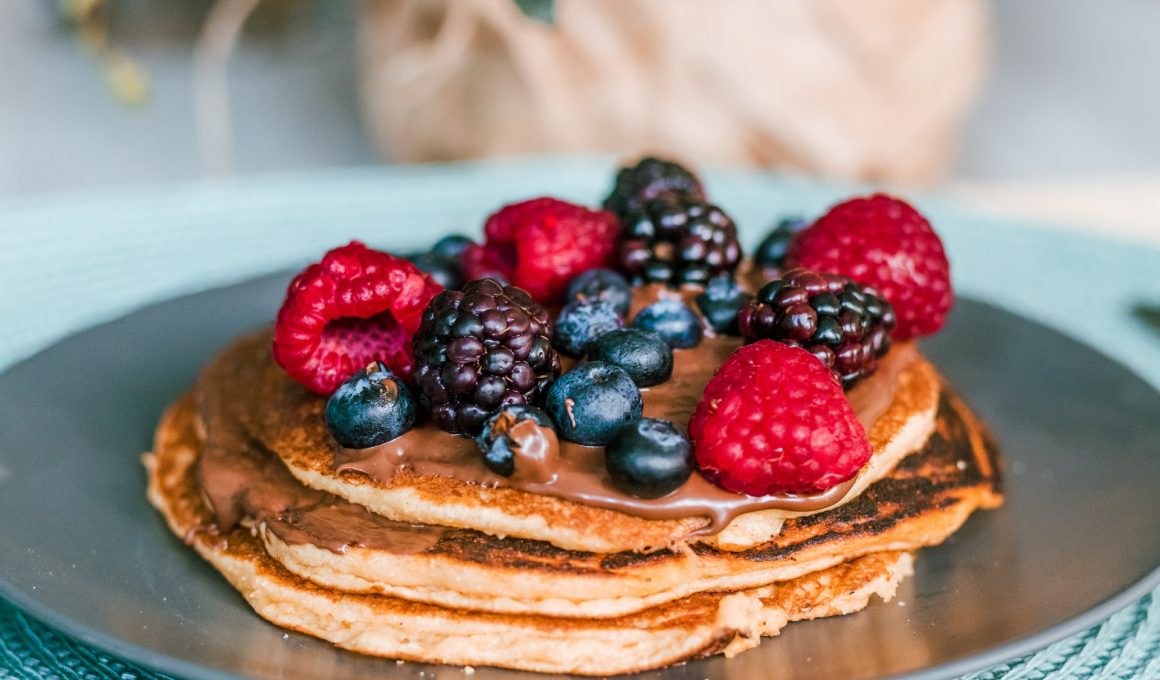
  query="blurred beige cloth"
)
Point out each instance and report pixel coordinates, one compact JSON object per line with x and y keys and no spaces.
{"x":1124,"y":206}
{"x":866,"y":89}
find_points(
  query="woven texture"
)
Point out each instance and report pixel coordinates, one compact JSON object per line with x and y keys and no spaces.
{"x":68,"y":262}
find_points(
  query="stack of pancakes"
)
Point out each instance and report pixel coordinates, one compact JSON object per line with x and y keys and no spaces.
{"x":430,"y":568}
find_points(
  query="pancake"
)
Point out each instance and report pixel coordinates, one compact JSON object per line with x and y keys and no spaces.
{"x":921,"y":501}
{"x":698,"y":625}
{"x":287,"y":420}
{"x":245,"y":472}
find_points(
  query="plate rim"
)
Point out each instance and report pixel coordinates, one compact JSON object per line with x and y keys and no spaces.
{"x":152,"y":660}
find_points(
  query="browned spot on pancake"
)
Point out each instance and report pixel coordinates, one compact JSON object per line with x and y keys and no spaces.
{"x":716,"y":646}
{"x":516,"y":553}
{"x":622,"y":560}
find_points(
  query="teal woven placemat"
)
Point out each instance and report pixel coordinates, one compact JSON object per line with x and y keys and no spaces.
{"x":70,"y":261}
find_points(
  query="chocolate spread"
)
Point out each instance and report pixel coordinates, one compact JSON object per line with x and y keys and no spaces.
{"x":242,"y":480}
{"x":580,"y":475}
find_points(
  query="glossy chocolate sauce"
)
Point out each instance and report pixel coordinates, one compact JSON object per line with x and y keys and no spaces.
{"x":242,"y":481}
{"x":580,"y":475}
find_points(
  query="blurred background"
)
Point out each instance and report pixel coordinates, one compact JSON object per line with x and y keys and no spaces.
{"x":1043,"y":106}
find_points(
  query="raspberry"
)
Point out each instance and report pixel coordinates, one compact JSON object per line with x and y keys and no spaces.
{"x":841,"y":323}
{"x":480,"y":349}
{"x":648,"y":179}
{"x":355,"y":306}
{"x":883,"y":242}
{"x":541,"y":244}
{"x":774,"y":420}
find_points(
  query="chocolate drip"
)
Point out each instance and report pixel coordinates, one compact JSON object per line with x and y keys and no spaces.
{"x":242,"y":481}
{"x":581,"y":477}
{"x":338,"y":525}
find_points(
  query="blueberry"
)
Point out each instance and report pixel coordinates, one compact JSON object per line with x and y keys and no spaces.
{"x":771,"y":252}
{"x":648,"y":458}
{"x":443,"y":270}
{"x":720,"y":302}
{"x":644,"y":355}
{"x":496,"y":440}
{"x":591,"y":401}
{"x":451,"y":247}
{"x":601,"y":284}
{"x":372,"y":407}
{"x":442,"y":261}
{"x":580,"y":323}
{"x":675,"y":322}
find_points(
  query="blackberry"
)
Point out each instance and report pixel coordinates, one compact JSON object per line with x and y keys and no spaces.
{"x":479,"y":349}
{"x":649,"y":179}
{"x":845,"y":325}
{"x":678,"y":240}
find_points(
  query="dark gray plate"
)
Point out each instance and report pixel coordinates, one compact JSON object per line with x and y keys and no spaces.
{"x":1078,"y":539}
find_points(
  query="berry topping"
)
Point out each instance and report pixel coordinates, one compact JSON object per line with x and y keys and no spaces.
{"x":773,"y":421}
{"x":650,"y":178}
{"x":519,"y":442}
{"x":720,"y":302}
{"x":355,"y":306}
{"x":580,"y":323}
{"x":591,"y":401}
{"x":451,"y":247}
{"x":770,"y":253}
{"x":480,"y":349}
{"x":372,"y":407}
{"x":678,"y":240}
{"x":442,"y":261}
{"x":644,"y":355}
{"x":539,"y":245}
{"x":442,"y":271}
{"x":846,"y":326}
{"x":601,"y":284}
{"x":673,"y":321}
{"x":648,"y":458}
{"x":883,"y":242}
